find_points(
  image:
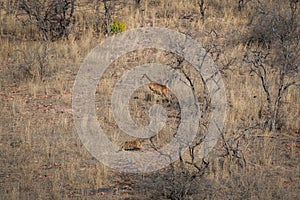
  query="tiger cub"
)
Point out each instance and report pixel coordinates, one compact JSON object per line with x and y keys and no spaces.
{"x":132,"y":145}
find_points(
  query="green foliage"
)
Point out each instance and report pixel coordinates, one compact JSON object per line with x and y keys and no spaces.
{"x":117,"y":27}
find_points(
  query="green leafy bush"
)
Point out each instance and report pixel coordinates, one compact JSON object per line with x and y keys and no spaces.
{"x":117,"y":27}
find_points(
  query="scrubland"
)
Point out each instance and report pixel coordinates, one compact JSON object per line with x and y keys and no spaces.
{"x":255,"y":45}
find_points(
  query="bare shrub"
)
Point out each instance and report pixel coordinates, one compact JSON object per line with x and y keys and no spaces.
{"x":202,"y":8}
{"x":242,"y":4}
{"x":53,"y":18}
{"x":30,"y":65}
{"x":273,"y":48}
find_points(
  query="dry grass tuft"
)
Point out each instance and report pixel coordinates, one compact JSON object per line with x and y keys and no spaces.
{"x":42,"y":157}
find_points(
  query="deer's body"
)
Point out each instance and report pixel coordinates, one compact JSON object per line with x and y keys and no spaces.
{"x":158,"y":88}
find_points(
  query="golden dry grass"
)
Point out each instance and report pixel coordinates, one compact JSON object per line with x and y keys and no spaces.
{"x":42,"y":157}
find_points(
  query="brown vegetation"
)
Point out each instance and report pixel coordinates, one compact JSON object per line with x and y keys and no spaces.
{"x":254,"y":43}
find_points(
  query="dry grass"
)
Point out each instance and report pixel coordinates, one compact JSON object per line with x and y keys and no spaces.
{"x":42,"y":157}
